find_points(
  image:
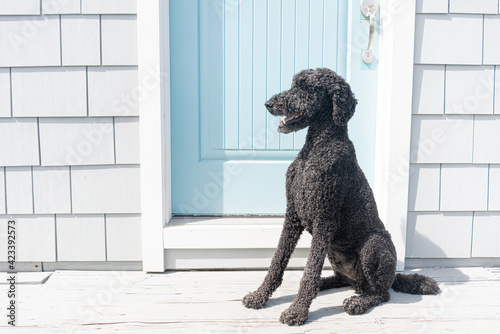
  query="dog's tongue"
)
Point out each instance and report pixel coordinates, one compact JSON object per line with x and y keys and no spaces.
{"x":290,"y":117}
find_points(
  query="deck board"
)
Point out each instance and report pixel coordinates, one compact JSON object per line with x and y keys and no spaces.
{"x":210,"y":302}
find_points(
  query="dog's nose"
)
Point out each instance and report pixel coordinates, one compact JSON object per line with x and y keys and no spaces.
{"x":269,"y":104}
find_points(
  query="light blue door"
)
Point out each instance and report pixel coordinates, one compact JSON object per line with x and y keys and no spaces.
{"x":227,"y":58}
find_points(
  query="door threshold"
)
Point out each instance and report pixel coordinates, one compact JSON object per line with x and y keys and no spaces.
{"x":225,"y":233}
{"x":226,"y":242}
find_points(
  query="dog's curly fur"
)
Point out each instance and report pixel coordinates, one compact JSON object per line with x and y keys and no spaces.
{"x":329,"y":196}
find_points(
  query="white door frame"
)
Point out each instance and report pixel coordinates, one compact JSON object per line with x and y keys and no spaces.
{"x":394,"y":108}
{"x":395,"y":86}
{"x":154,"y":118}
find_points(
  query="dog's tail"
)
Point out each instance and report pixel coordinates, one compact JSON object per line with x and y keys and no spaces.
{"x":415,"y":284}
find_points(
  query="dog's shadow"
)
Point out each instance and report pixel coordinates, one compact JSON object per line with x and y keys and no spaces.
{"x":323,"y":312}
{"x":288,"y":299}
{"x":327,"y":311}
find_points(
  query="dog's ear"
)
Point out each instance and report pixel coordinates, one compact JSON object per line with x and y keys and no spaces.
{"x":344,"y":103}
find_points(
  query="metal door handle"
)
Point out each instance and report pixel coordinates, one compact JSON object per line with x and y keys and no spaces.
{"x":369,"y":8}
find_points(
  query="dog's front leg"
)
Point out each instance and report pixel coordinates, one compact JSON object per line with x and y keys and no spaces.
{"x":298,"y":312}
{"x":289,"y":237}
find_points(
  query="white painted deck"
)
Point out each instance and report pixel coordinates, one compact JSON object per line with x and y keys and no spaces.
{"x":210,"y":302}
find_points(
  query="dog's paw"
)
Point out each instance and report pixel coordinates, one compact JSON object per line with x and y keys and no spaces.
{"x":255,"y":300}
{"x":294,"y":316}
{"x":355,"y":305}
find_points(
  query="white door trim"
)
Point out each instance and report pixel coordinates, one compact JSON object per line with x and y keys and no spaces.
{"x":395,"y":87}
{"x":154,"y":111}
{"x":393,"y":124}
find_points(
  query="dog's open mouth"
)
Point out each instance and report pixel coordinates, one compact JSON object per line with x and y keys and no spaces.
{"x":292,"y":119}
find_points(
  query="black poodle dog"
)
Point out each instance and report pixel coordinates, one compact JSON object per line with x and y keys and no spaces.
{"x":328,"y":195}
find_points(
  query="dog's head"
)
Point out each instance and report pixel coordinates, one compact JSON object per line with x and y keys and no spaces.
{"x":317,"y":96}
